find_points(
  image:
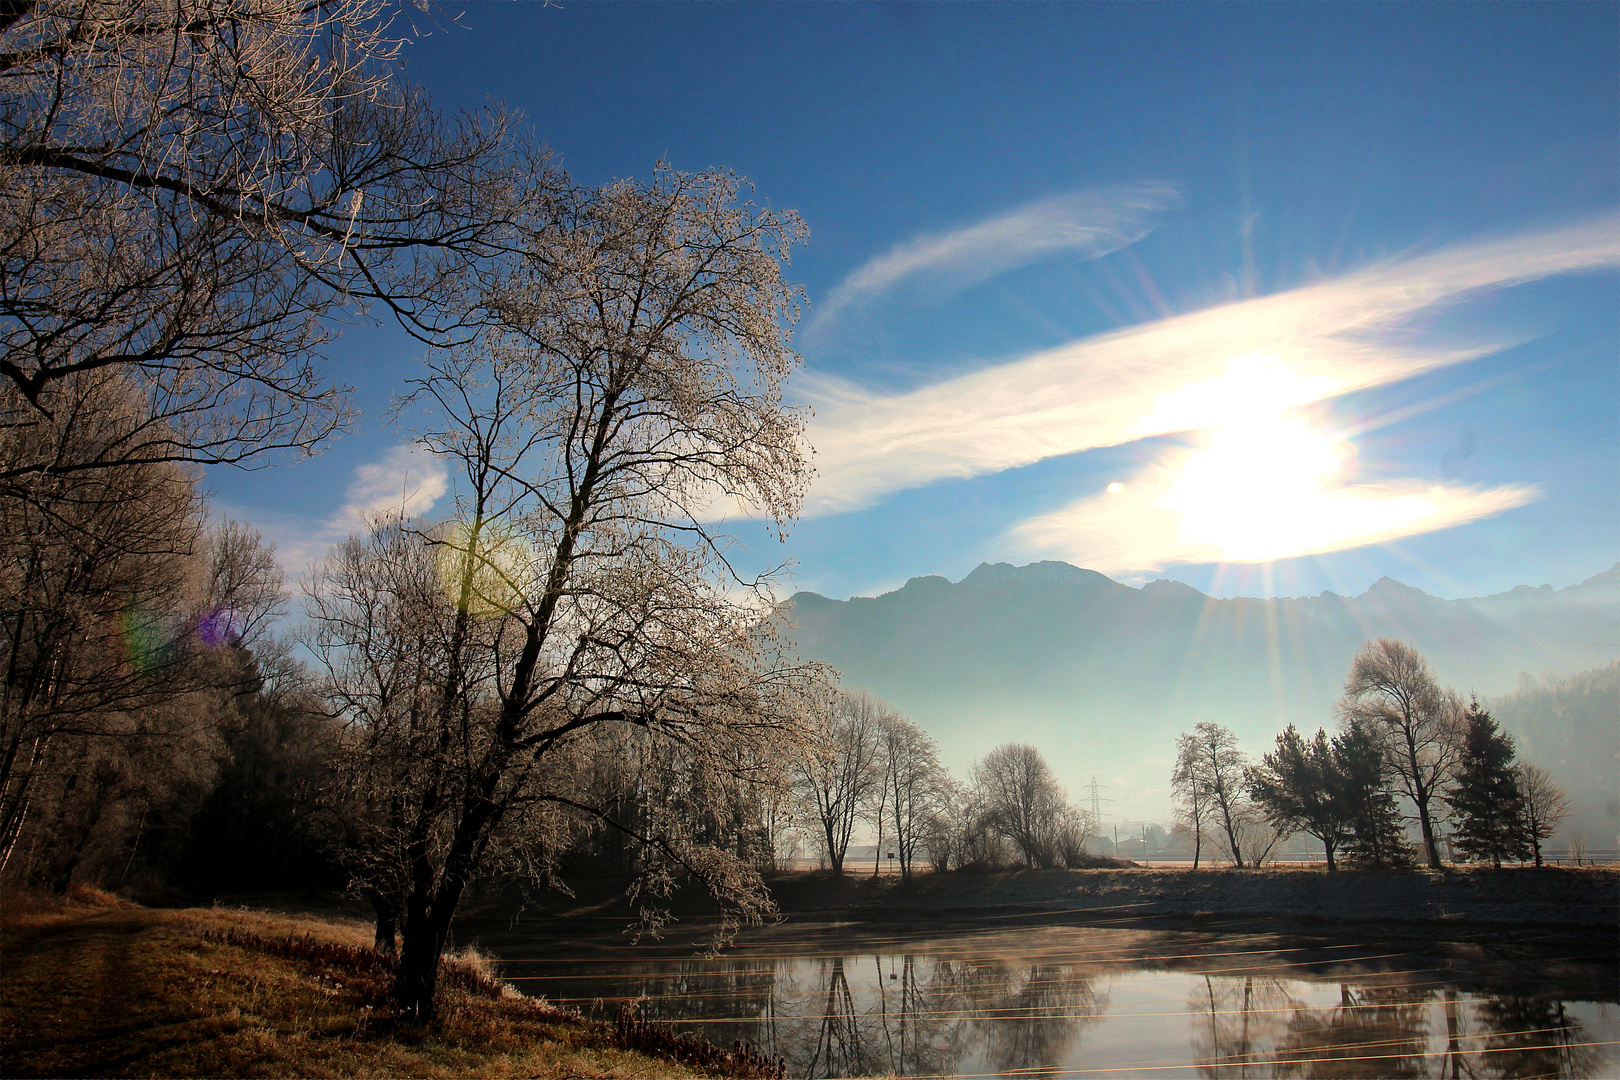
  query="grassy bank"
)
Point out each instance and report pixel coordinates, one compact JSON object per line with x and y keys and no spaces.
{"x":97,"y":987}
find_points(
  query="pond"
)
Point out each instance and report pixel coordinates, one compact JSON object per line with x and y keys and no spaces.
{"x":1101,"y":1002}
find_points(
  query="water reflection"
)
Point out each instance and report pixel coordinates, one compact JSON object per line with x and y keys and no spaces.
{"x":1529,"y":1036}
{"x":1377,"y":1030}
{"x":1051,"y":1007}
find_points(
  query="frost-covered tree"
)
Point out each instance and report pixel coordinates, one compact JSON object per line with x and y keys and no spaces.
{"x":193,"y":188}
{"x":630,"y":386}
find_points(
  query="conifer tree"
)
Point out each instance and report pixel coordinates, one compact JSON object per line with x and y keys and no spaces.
{"x":1377,"y":837}
{"x":1300,"y":786}
{"x":1485,"y":801}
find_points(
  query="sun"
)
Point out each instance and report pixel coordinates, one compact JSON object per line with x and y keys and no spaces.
{"x":1261,"y":487}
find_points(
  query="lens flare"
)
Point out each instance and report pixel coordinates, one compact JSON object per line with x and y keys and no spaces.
{"x":219,"y":628}
{"x":490,"y":569}
{"x":146,"y":644}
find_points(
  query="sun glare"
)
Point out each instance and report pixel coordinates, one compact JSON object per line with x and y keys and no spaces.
{"x":1262,"y":487}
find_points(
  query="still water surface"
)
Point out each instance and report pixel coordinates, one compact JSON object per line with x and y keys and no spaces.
{"x":1090,"y":1002}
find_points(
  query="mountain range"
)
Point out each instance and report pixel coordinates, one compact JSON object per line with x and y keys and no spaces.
{"x":1103,"y":676}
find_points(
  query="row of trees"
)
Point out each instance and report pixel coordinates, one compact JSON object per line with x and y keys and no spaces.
{"x":870,"y":765}
{"x":1402,"y":737}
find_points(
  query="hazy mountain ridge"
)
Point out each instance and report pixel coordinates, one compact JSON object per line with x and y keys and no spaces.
{"x":1081,"y":664}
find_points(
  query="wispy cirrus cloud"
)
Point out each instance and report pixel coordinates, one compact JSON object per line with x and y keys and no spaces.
{"x":1182,"y":373}
{"x":1087,"y":223}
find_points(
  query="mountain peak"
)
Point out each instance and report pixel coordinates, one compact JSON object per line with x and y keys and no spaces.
{"x":987,"y":575}
{"x":1390,"y":591}
{"x":1166,"y":587}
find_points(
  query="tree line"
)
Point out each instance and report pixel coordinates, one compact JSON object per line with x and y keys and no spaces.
{"x":868,"y":765}
{"x":1403,"y":740}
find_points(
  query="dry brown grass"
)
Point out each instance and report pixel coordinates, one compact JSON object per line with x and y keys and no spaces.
{"x":93,"y":986}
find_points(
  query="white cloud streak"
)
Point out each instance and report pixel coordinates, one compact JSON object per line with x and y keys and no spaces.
{"x":406,"y":479}
{"x":1135,"y":532}
{"x":1176,"y":374}
{"x":1087,"y":223}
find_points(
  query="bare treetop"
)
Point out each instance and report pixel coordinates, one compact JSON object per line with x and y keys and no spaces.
{"x":1391,"y":690}
{"x":194,"y":187}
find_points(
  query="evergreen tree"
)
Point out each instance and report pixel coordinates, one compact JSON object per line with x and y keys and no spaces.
{"x":1377,"y":836}
{"x":1300,"y":787}
{"x":1485,"y":801}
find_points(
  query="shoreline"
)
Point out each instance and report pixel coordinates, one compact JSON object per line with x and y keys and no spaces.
{"x":1549,"y":912}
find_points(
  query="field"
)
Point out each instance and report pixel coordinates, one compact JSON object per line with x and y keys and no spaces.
{"x":97,"y":987}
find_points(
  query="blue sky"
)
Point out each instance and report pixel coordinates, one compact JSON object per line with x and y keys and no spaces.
{"x":1334,"y":279}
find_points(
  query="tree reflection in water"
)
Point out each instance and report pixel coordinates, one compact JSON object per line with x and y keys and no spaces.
{"x":1020,"y":1006}
{"x":1375,"y":1031}
{"x":1234,"y":1018}
{"x":1020,"y":1016}
{"x":1533,"y":1037}
{"x":1028,"y":1017}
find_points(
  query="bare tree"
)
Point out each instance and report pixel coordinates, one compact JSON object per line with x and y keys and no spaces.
{"x":1194,"y":812}
{"x":1025,"y":804}
{"x":126,"y":629}
{"x":1216,"y":774}
{"x":1543,"y":803}
{"x":841,"y":771}
{"x":1390,"y":689}
{"x":192,"y":188}
{"x":96,"y":586}
{"x":915,"y":786}
{"x":633,"y":381}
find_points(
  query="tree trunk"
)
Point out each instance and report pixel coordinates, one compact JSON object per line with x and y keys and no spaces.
{"x":416,"y":979}
{"x":1431,"y":849}
{"x":877,"y":856}
{"x":387,"y":925}
{"x":1231,"y":838}
{"x":1332,"y":868}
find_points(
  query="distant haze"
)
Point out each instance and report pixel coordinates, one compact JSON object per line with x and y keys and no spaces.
{"x":1103,"y":677}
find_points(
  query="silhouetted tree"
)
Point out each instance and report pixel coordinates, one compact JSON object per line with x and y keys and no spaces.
{"x":1485,"y":801}
{"x":841,"y":767}
{"x":1217,"y":771}
{"x":1377,"y":837}
{"x":1194,"y":812}
{"x":1024,"y":804}
{"x":1390,"y":689}
{"x":1300,"y":787}
{"x":914,"y":786}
